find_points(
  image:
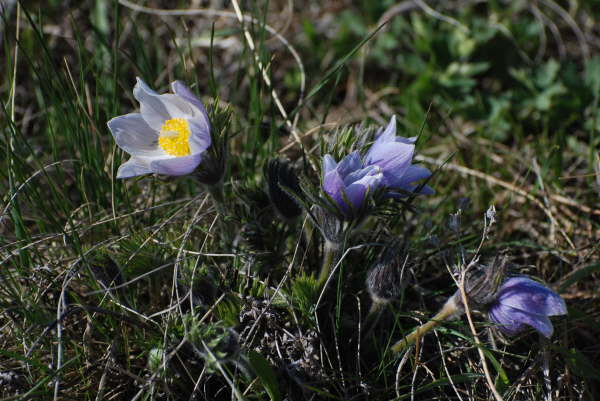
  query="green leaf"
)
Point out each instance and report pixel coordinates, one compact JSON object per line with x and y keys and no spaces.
{"x":543,"y":101}
{"x":581,"y":365}
{"x":579,"y":275}
{"x":546,"y":74}
{"x":502,"y":382}
{"x":264,"y":371}
{"x":592,"y":74}
{"x":229,"y":311}
{"x":305,"y":291}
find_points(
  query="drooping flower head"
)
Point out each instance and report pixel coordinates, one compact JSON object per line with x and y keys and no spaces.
{"x":522,"y":302}
{"x":511,"y":303}
{"x":168,"y":136}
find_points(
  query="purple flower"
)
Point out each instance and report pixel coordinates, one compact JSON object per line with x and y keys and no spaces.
{"x":388,"y":163}
{"x":393,"y":155}
{"x":349,"y":181}
{"x":168,"y":136}
{"x":523,"y":302}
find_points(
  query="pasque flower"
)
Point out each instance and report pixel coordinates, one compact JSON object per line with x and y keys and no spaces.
{"x":168,"y":136}
{"x":522,"y":302}
{"x":349,"y":181}
{"x":388,"y":163}
{"x":393,"y":155}
{"x":511,"y":303}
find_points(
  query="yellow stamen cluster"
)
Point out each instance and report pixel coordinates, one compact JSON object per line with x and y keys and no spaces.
{"x":174,"y":137}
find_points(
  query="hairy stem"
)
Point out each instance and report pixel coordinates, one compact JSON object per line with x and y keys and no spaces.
{"x":450,"y":308}
{"x":330,"y":257}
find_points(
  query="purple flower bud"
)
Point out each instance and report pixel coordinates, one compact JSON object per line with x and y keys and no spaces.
{"x":393,"y":155}
{"x":523,"y":302}
{"x":349,"y":181}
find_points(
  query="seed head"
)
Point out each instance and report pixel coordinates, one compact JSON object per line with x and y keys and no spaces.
{"x":386,"y":280}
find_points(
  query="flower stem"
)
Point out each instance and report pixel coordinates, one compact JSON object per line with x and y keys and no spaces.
{"x":449,"y":309}
{"x":330,"y":256}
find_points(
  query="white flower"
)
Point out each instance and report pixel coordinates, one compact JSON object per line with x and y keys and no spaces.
{"x":168,"y":136}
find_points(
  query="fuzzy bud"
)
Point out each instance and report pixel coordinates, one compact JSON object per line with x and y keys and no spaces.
{"x":385,"y":281}
{"x":213,"y":166}
{"x":482,"y":284}
{"x":211,"y":170}
{"x":331,"y":227}
{"x":280,"y":174}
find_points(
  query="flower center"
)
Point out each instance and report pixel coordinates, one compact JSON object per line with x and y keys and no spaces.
{"x":174,"y":137}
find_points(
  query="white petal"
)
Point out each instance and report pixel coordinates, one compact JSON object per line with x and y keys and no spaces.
{"x":199,"y":138}
{"x":132,"y":168}
{"x":176,"y":165}
{"x":134,"y":135}
{"x":200,"y":116}
{"x":156,"y":109}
